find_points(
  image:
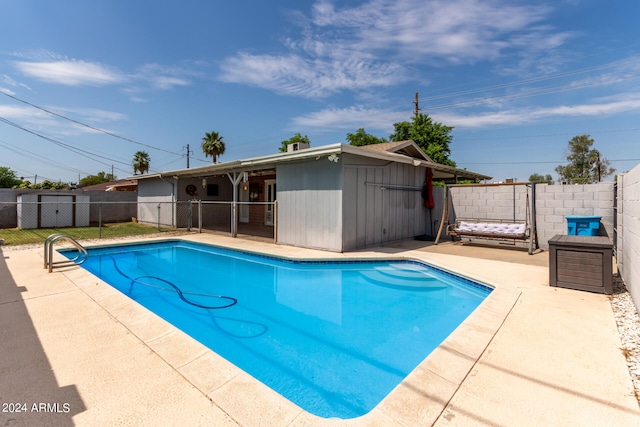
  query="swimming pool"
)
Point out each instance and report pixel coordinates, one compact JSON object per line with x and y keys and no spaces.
{"x":334,"y":337}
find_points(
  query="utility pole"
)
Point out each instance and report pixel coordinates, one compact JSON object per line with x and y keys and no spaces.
{"x":417,"y":111}
{"x":188,"y":152}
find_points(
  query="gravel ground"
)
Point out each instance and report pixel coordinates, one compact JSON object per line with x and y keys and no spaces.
{"x":628,"y":321}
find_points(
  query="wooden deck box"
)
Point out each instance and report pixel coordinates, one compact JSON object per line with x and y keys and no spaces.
{"x":581,"y":262}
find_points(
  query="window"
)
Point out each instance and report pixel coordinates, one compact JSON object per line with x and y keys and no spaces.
{"x":212,"y":190}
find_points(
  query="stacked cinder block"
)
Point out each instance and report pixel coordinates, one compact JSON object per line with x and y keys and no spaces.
{"x":495,"y":203}
{"x":553,"y":204}
{"x":628,"y":227}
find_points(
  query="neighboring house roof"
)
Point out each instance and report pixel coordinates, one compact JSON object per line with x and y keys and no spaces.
{"x":408,"y":148}
{"x":406,"y":152}
{"x":118,"y":185}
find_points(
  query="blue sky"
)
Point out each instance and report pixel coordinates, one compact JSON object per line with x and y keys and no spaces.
{"x":517,"y":79}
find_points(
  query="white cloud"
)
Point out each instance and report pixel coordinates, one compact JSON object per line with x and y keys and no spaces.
{"x":16,"y":112}
{"x":376,"y":44}
{"x":295,"y":75}
{"x":70,"y":72}
{"x":162,"y":77}
{"x":91,"y":115}
{"x":52,"y":68}
{"x":50,"y":125}
{"x":350,"y":119}
{"x":7,"y":90}
{"x":512,"y":117}
{"x":11,"y":82}
{"x":355,"y":117}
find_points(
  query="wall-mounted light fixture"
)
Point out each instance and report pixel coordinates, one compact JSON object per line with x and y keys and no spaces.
{"x":333,"y":158}
{"x":204,"y":182}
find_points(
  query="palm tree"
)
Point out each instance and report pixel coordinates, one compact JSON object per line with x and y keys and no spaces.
{"x":213,"y":145}
{"x":141,"y":161}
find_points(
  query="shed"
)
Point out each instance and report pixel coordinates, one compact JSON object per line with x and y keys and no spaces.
{"x":52,"y":210}
{"x":335,"y":197}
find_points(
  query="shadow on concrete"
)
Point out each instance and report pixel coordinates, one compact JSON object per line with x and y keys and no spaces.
{"x":29,"y":391}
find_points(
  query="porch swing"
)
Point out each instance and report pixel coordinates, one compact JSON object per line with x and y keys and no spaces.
{"x":492,"y":229}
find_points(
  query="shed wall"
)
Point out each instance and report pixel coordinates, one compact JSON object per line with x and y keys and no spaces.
{"x":155,"y":197}
{"x":309,"y":196}
{"x":374,"y":211}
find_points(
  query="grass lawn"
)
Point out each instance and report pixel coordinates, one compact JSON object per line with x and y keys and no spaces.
{"x":23,"y":237}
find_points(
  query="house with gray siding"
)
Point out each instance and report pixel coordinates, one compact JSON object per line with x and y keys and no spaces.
{"x":335,"y":197}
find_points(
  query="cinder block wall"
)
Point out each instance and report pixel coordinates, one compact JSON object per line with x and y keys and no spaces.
{"x":553,"y":204}
{"x":628,"y":228}
{"x":506,"y":203}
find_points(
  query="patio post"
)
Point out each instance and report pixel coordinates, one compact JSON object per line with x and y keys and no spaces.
{"x":235,"y":180}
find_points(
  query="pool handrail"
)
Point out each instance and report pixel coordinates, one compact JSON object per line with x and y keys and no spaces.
{"x":48,"y":251}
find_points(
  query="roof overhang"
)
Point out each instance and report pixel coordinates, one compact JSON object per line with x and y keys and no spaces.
{"x":272,"y":160}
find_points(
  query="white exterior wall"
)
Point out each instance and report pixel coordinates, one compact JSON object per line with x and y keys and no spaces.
{"x":309,"y":196}
{"x":153,"y":193}
{"x":27,"y":211}
{"x":628,"y":230}
{"x":83,"y":209}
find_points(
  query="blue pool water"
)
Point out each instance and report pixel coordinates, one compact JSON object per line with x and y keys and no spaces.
{"x":333,"y":337}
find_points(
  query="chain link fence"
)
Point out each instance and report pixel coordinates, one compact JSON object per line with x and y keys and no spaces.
{"x":32,"y":222}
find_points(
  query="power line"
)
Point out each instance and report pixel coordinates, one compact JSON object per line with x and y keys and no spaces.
{"x":540,"y":162}
{"x":532,"y":80}
{"x":79,"y":151}
{"x":492,"y":138}
{"x":89,"y":126}
{"x":36,"y":157}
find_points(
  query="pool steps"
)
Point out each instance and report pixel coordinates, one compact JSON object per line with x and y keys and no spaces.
{"x":395,"y":278}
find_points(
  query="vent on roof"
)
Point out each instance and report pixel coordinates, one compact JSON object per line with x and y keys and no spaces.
{"x":297,"y":146}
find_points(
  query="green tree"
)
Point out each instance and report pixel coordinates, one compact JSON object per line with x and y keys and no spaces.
{"x":141,"y":162}
{"x":546,"y":179}
{"x":8,"y":178}
{"x":213,"y":145}
{"x":99,"y":178}
{"x":585,"y":164}
{"x":432,"y":137}
{"x":361,"y":138}
{"x":295,"y":138}
{"x":50,"y":185}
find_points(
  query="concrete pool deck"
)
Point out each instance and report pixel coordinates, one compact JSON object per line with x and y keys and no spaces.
{"x":73,"y":351}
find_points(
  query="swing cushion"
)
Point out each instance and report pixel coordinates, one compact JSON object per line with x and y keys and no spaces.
{"x":498,"y":229}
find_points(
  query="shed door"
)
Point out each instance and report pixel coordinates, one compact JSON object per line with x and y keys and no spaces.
{"x":56,"y":211}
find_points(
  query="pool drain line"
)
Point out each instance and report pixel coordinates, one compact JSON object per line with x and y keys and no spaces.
{"x":175,"y":289}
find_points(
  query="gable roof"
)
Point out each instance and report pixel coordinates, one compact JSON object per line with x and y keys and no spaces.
{"x":408,"y":148}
